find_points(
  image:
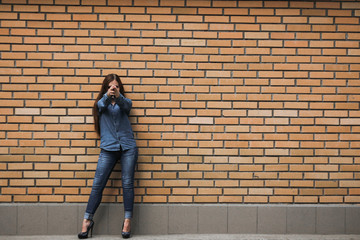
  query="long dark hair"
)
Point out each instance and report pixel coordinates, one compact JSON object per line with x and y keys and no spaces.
{"x":104,"y":88}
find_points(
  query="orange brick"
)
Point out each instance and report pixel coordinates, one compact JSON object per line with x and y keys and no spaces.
{"x":255,"y":199}
{"x":230,"y":199}
{"x":29,"y":198}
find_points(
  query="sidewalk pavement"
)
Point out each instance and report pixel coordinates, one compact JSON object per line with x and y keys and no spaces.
{"x":195,"y":237}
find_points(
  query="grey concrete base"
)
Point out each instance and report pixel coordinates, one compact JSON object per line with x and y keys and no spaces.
{"x":159,"y":219}
{"x":192,"y":237}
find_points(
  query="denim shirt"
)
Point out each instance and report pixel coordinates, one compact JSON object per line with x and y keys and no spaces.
{"x":115,"y":128}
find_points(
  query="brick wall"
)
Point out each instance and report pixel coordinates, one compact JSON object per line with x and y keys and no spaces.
{"x":234,"y":101}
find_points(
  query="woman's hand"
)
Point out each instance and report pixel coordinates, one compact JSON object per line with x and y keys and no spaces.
{"x":113,"y":91}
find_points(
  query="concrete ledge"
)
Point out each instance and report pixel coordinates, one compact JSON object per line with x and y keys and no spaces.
{"x":162,"y":219}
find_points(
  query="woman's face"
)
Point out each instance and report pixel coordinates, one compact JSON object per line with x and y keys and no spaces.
{"x":113,"y":84}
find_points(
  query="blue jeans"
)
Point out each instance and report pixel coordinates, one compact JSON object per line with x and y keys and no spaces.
{"x":106,"y":163}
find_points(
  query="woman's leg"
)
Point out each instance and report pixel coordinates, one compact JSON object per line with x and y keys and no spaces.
{"x":105,"y":165}
{"x":128,"y":163}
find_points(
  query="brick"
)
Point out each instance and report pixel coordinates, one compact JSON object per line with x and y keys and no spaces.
{"x":261,"y":12}
{"x":32,"y":16}
{"x":255,"y":199}
{"x":25,"y":198}
{"x":21,"y":182}
{"x":259,"y":35}
{"x":212,"y":11}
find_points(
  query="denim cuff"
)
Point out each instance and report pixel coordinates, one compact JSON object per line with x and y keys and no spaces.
{"x":128,"y":214}
{"x":88,"y":216}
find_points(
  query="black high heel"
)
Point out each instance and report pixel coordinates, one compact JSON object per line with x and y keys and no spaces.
{"x":125,"y":234}
{"x":84,"y":235}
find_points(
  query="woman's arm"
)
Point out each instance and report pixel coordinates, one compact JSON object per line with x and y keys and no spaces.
{"x":124,"y":103}
{"x":103,"y":103}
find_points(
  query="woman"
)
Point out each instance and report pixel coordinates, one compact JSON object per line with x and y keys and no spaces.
{"x":111,"y":110}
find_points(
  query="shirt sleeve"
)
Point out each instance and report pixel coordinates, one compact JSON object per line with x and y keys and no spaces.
{"x":124,"y":103}
{"x":103,"y":103}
